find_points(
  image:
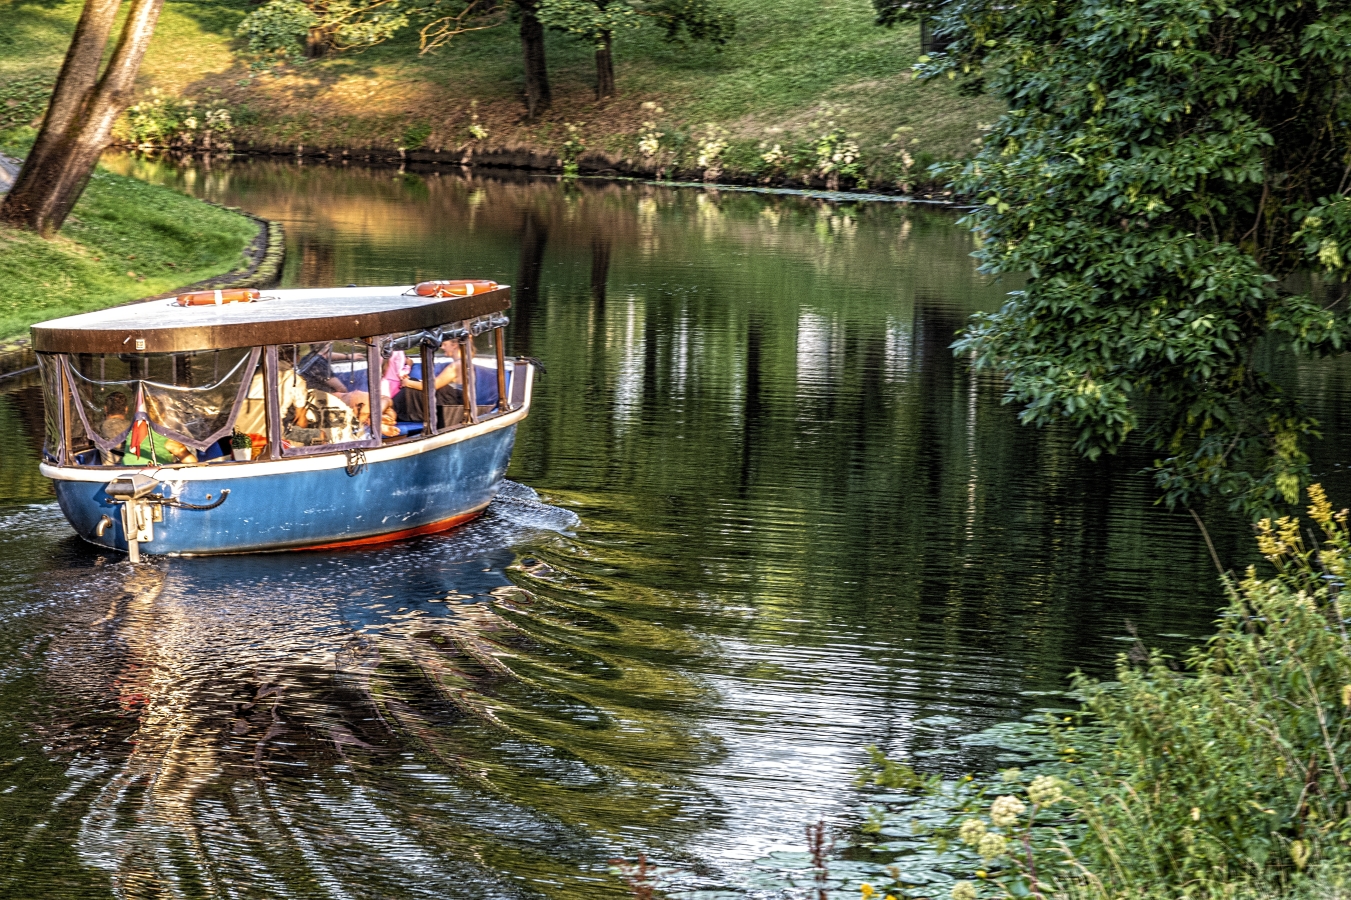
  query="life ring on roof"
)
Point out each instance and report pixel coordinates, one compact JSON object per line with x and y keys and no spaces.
{"x":463,"y":288}
{"x":216,"y":298}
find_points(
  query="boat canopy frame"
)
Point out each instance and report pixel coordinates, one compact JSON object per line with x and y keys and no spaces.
{"x":325,"y":316}
{"x":384,"y":321}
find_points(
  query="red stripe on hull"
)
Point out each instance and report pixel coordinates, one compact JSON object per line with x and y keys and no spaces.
{"x":432,"y":528}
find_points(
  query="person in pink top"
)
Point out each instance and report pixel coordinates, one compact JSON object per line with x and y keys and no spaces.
{"x":396,"y":370}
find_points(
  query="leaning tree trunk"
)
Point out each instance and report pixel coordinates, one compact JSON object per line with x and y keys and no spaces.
{"x":537,"y":96}
{"x":80,"y":115}
{"x":605,"y":67}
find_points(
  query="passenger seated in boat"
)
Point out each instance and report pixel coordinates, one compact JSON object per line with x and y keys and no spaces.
{"x":291,"y":394}
{"x":324,"y":419}
{"x":409,"y":405}
{"x":156,"y":448}
{"x":153,"y":447}
{"x":115,"y":424}
{"x":360,"y":402}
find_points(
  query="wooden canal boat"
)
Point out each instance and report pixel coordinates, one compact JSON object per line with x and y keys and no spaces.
{"x":241,"y":422}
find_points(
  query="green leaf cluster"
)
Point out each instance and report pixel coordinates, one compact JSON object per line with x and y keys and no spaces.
{"x":286,"y":28}
{"x":1164,"y":170}
{"x":1237,"y":767}
{"x":589,"y":19}
{"x":594,"y":20}
{"x":1227,"y":775}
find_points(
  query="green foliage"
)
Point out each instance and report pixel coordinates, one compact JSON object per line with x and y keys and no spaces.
{"x":789,"y":58}
{"x":1230,"y":773}
{"x":1151,"y":176}
{"x":278,"y":28}
{"x":163,"y":122}
{"x":887,"y":773}
{"x":895,"y":12}
{"x":572,"y":148}
{"x":589,"y":19}
{"x":681,"y":20}
{"x":416,"y":134}
{"x":292,"y":28}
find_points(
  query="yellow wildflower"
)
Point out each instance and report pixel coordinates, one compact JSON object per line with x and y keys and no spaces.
{"x":1320,"y":510}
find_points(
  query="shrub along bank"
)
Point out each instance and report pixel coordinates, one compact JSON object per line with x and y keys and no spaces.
{"x":125,"y":240}
{"x":804,"y":91}
{"x":1225,"y":775}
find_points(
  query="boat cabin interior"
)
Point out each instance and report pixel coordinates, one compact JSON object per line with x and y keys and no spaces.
{"x":243,"y":404}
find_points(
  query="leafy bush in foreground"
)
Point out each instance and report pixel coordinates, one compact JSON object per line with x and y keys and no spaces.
{"x":1233,"y":770}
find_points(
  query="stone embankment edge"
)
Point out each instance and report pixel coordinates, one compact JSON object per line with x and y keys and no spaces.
{"x":264,"y":257}
{"x":592,"y":163}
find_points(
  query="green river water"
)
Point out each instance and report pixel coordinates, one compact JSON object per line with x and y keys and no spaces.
{"x":759,"y":518}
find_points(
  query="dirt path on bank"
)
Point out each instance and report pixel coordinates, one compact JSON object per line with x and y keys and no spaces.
{"x":9,"y":170}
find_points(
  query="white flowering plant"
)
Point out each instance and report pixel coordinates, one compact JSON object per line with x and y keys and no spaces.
{"x":709,"y":150}
{"x":572,"y":148}
{"x":837,"y":156}
{"x":159,"y":122}
{"x":476,"y":129}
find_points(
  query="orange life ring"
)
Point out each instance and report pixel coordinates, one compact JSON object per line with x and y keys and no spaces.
{"x":462,"y":288}
{"x":216,"y":298}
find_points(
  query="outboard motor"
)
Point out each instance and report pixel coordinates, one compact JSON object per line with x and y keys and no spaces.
{"x":139,"y":514}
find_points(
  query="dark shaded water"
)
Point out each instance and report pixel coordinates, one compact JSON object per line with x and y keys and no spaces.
{"x":777,"y":522}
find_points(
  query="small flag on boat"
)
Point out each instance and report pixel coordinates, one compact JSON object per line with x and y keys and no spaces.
{"x":140,"y":429}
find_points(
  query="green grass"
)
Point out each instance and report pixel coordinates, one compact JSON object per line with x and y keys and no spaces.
{"x":791,"y":65}
{"x":124,"y":240}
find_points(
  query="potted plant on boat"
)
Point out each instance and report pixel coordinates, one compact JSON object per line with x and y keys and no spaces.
{"x":242,"y":445}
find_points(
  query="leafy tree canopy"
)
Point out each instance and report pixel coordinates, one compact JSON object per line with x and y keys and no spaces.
{"x":284,"y":27}
{"x":1171,"y":176}
{"x":699,"y":20}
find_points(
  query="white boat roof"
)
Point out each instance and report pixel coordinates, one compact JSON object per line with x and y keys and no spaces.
{"x":282,"y":317}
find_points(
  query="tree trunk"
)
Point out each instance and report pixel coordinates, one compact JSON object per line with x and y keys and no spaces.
{"x":318,"y":41}
{"x":537,"y":97}
{"x":605,"y":67}
{"x":80,"y":115}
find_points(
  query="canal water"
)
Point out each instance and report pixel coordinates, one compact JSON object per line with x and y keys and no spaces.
{"x":759,"y":519}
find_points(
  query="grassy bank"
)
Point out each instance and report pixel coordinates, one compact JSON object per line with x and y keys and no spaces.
{"x":125,"y":240}
{"x":793,"y":67}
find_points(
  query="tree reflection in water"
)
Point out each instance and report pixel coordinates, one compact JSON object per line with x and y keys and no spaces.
{"x":805,"y":528}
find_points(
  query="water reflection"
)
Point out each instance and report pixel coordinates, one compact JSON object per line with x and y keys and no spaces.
{"x":800,"y":527}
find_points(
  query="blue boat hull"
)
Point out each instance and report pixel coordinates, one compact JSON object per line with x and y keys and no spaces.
{"x":420,"y":490}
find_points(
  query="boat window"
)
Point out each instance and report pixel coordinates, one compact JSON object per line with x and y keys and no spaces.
{"x":486,"y":391}
{"x":186,"y":402}
{"x":325,"y":396}
{"x":403,"y":374}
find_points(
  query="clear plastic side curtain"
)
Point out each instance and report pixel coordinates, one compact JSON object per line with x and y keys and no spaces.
{"x":49,"y":369}
{"x":196,"y":403}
